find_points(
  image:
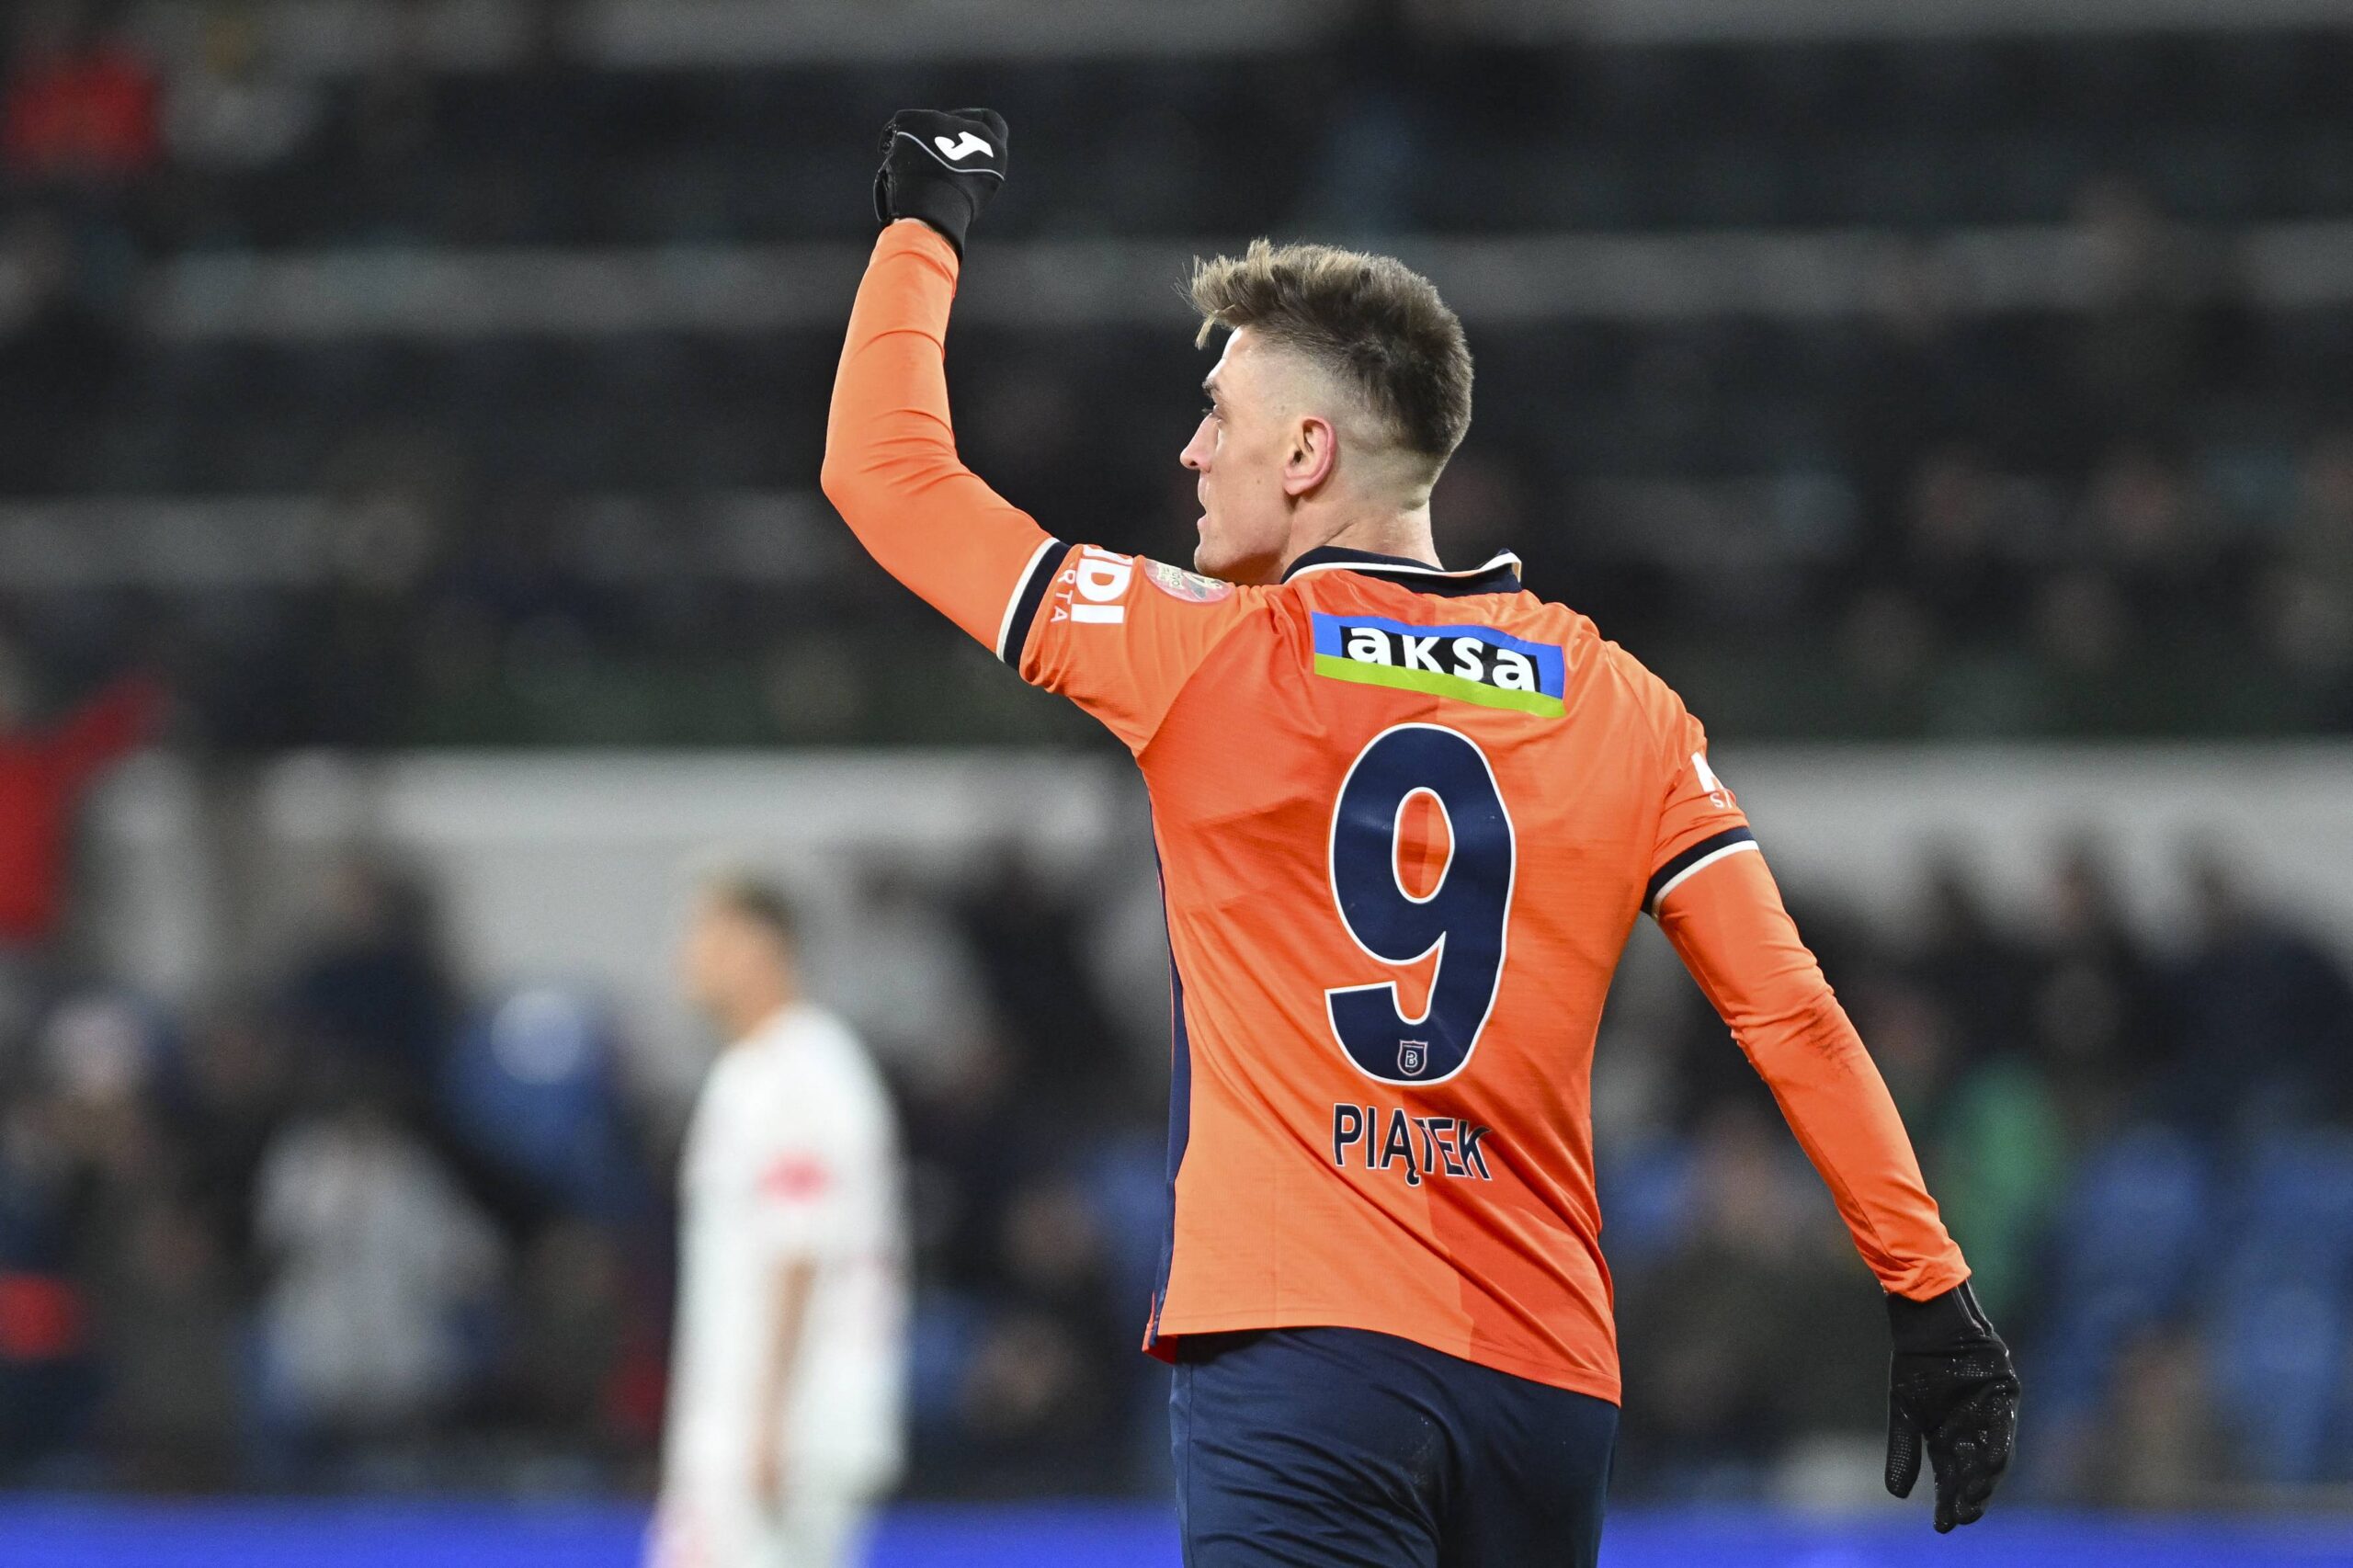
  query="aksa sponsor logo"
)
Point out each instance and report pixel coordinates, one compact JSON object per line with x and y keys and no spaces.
{"x":1470,"y":664}
{"x":1190,"y":586}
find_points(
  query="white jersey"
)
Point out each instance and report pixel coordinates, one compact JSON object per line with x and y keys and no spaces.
{"x":792,"y":1152}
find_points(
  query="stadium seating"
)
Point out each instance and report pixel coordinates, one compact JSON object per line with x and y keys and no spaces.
{"x":2127,"y":1244}
{"x":1805,"y":135}
{"x":1733,"y":492}
{"x":529,"y":1084}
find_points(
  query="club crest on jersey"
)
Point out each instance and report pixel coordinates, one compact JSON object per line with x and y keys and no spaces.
{"x":1189,"y":586}
{"x":1470,"y":664}
{"x":1412,"y":1055}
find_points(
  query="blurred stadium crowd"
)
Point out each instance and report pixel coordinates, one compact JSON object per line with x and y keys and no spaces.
{"x":2056,"y":446}
{"x":392,"y":1231}
{"x":361,"y":1228}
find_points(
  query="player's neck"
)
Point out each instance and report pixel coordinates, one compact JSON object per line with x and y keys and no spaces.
{"x":753,"y":1012}
{"x":1405,"y":535}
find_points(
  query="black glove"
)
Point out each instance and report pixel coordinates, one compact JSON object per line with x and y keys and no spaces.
{"x":940,"y":166}
{"x":1950,"y":1382}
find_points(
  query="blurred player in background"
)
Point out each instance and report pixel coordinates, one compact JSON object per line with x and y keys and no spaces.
{"x":786,"y":1394}
{"x":1406,"y":818}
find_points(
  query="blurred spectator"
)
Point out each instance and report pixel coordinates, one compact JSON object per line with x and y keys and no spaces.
{"x":229,"y":1097}
{"x":45,"y":773}
{"x":1026,"y":936}
{"x":974,"y":1137}
{"x":389,"y":124}
{"x":373,"y":1252}
{"x":2306,"y":614}
{"x":48,"y":1382}
{"x":1964,"y":956}
{"x":369,"y":983}
{"x":2148,"y":527}
{"x":228,"y":110}
{"x":909,"y":980}
{"x":2267,"y":1013}
{"x":2144,"y":338}
{"x":2084,"y":631}
{"x":572,"y":1334}
{"x":1374,"y":166}
{"x":87,"y":1157}
{"x":2102,"y":1030}
{"x":517,"y":1112}
{"x":1033,"y":1404}
{"x":1889,"y":648}
{"x":169,"y":1328}
{"x":2320,"y":524}
{"x":1043,"y":1393}
{"x":526,"y":1107}
{"x":1917,"y":356}
{"x":1725,"y":1349}
{"x":1965,"y":542}
{"x":1997,"y":1156}
{"x":79,"y":108}
{"x":2157,"y":1444}
{"x":62,"y":356}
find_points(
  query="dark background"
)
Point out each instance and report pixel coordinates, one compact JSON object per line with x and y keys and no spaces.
{"x":384,"y":392}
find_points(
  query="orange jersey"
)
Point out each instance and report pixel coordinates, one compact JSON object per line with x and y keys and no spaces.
{"x":1407,"y":818}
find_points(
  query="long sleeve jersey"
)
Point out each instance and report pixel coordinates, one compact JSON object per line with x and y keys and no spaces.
{"x":1407,"y":818}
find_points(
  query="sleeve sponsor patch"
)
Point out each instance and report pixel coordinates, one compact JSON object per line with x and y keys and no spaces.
{"x":1092,"y":587}
{"x":1470,"y":664}
{"x":1190,"y":586}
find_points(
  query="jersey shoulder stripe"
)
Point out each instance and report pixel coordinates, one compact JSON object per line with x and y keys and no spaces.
{"x":1714,"y":848}
{"x":1029,"y":593}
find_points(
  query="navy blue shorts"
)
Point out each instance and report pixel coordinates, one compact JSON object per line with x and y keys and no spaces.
{"x":1335,"y":1447}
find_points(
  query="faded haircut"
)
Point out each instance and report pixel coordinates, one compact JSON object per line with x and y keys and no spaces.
{"x":1372,"y":321}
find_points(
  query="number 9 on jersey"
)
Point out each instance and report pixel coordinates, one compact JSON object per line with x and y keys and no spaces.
{"x":1463,"y":919}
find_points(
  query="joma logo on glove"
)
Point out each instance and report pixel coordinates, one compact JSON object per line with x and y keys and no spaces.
{"x":957,"y":152}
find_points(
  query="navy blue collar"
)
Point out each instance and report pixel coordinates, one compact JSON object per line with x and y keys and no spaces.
{"x":1499,"y":575}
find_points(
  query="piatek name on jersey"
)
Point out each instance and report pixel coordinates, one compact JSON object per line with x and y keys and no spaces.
{"x":1414,"y":1146}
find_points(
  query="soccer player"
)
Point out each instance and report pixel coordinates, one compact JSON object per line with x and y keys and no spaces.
{"x":786,"y":1386}
{"x":1406,"y":817}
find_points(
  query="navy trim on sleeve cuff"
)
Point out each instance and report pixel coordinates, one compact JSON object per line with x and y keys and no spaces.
{"x":1666,"y":876}
{"x":1026,"y":603}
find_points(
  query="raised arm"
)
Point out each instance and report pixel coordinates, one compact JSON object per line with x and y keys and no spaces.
{"x":1081,"y":622}
{"x":890,"y":464}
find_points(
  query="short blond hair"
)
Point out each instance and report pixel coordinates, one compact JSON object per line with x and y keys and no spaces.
{"x":1374,"y":322}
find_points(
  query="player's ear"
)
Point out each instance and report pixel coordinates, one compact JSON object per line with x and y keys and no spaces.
{"x":1314,"y":448}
